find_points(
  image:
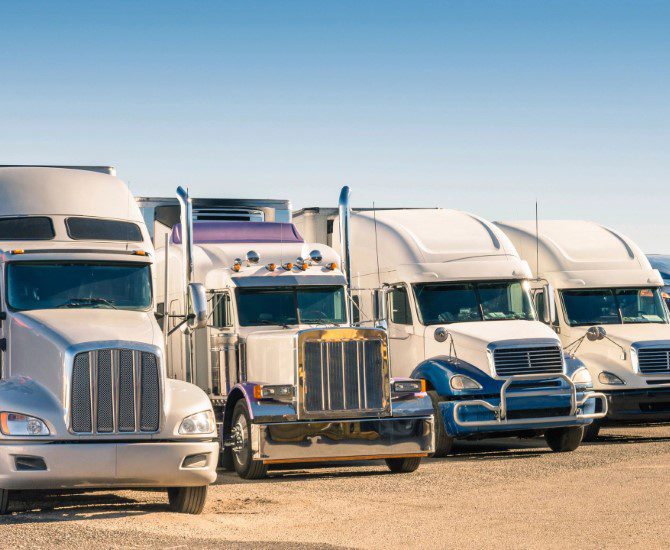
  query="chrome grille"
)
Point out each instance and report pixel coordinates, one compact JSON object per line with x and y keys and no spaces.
{"x":528,"y":360}
{"x":115,"y":391}
{"x":654,"y":360}
{"x":344,"y":375}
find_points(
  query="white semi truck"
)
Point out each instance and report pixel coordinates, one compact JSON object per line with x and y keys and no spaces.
{"x":290,"y":378}
{"x":455,"y":295}
{"x":607,"y":308}
{"x":85,"y":399}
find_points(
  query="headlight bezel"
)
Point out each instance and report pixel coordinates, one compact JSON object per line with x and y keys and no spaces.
{"x":409,"y":386}
{"x":608,"y":378}
{"x":582,"y":377}
{"x":275,"y":392}
{"x":9,"y":427}
{"x":462,"y":382}
{"x":203,"y":423}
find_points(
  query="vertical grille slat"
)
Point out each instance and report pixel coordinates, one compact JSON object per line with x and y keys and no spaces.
{"x":528,"y":360}
{"x":108,"y":394}
{"x":343,"y":375}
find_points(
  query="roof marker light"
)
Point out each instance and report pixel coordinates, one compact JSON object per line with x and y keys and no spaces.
{"x":140,"y":253}
{"x":332,"y":266}
{"x":304,"y":266}
{"x":271,"y":267}
{"x":237,"y":265}
{"x":288,"y":266}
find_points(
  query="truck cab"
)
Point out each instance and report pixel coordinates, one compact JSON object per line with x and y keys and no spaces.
{"x":609,"y":312}
{"x":291,"y":379}
{"x":455,"y":296}
{"x":85,"y":400}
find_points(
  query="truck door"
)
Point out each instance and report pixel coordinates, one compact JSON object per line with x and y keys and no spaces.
{"x":406,"y":346}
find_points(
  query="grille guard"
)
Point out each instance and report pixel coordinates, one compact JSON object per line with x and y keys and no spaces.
{"x":500,"y":411}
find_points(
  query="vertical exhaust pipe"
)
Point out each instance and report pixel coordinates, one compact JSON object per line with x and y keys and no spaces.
{"x":186,"y":219}
{"x":344,"y":210}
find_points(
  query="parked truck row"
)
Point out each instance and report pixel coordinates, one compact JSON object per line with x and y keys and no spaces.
{"x":148,"y":341}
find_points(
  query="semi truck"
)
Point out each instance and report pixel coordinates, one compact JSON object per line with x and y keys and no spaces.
{"x":607,"y":308}
{"x":455,"y":296}
{"x":290,"y":378}
{"x":85,"y":398}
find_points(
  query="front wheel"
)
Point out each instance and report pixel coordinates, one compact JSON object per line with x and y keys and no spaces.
{"x":562,"y":440}
{"x":443,"y":442}
{"x":187,"y":500}
{"x":243,"y":462}
{"x":403,"y":465}
{"x":4,"y":502}
{"x":591,"y":431}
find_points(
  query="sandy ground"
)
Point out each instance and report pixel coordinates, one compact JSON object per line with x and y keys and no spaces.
{"x":506,"y":493}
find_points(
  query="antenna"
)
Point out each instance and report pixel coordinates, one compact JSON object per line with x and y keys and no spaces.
{"x":537,"y":242}
{"x":374,"y":215}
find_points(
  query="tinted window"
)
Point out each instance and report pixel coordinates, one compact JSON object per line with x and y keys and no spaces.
{"x":36,"y":228}
{"x":614,"y":306}
{"x":51,"y":285}
{"x":102,"y":230}
{"x":399,"y":301}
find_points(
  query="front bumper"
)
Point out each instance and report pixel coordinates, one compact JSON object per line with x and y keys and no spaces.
{"x":109,"y":464}
{"x":642,"y":406}
{"x":291,"y":442}
{"x":550,"y":407}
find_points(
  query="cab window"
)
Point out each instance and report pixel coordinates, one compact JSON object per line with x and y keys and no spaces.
{"x":399,"y":306}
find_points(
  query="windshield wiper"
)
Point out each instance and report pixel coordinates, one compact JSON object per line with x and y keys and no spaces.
{"x":78,"y":302}
{"x":271,"y":323}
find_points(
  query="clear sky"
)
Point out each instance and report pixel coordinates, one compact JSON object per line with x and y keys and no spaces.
{"x":481,"y":106}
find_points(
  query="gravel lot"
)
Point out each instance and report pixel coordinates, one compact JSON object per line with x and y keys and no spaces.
{"x":507,"y":493}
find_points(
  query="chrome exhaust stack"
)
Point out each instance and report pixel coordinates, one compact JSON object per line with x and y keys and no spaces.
{"x":344,"y":210}
{"x":186,"y":219}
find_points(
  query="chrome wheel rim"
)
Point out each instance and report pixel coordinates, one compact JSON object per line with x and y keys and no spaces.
{"x":240,"y":435}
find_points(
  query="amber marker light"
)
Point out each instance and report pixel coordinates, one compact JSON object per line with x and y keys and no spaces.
{"x":258,"y":392}
{"x":18,"y":251}
{"x":271,"y":267}
{"x":140,"y":253}
{"x":332,"y":266}
{"x":304,"y":266}
{"x":288,"y":266}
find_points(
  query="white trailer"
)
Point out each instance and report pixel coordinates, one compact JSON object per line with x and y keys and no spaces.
{"x":455,"y":295}
{"x":85,"y":400}
{"x":290,"y":378}
{"x":608,"y":310}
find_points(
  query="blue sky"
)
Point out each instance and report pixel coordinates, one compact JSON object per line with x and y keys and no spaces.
{"x":481,"y":106}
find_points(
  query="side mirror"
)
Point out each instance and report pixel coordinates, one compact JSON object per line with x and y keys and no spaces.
{"x":549,"y":313}
{"x":198,"y":300}
{"x":380,"y":304}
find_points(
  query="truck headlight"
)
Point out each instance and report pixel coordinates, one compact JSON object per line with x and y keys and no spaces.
{"x":198,"y":423}
{"x":462,"y":382}
{"x":280,"y":392}
{"x":21,"y":424}
{"x":582,"y":377}
{"x":610,"y":379}
{"x":409,"y":386}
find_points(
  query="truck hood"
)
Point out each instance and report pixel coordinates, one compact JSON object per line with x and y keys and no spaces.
{"x":39,"y":341}
{"x":471,"y":340}
{"x":606,"y":355}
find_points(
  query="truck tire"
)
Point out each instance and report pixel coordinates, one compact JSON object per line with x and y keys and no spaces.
{"x":243,"y":462}
{"x":591,"y":431}
{"x":403,"y":465}
{"x":4,"y":502}
{"x":562,"y":440}
{"x":443,"y":442}
{"x":187,"y":500}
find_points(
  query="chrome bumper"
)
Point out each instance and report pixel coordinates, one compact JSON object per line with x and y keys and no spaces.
{"x":107,"y":465}
{"x":291,"y":442}
{"x":500,"y":411}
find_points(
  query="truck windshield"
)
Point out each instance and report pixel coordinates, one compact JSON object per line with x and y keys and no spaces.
{"x":441,"y":303}
{"x":54,"y":285}
{"x":291,"y":306}
{"x":613,"y":306}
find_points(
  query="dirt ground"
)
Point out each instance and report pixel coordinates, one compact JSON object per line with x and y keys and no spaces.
{"x":503,"y":493}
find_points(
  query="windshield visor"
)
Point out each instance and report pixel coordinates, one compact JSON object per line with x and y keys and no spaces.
{"x":291,"y":306}
{"x":614,"y":306}
{"x":78,"y":285}
{"x":444,"y":303}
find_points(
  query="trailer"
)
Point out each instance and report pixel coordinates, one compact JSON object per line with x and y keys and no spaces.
{"x":455,"y":296}
{"x":291,"y":379}
{"x":607,"y":307}
{"x":85,"y":398}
